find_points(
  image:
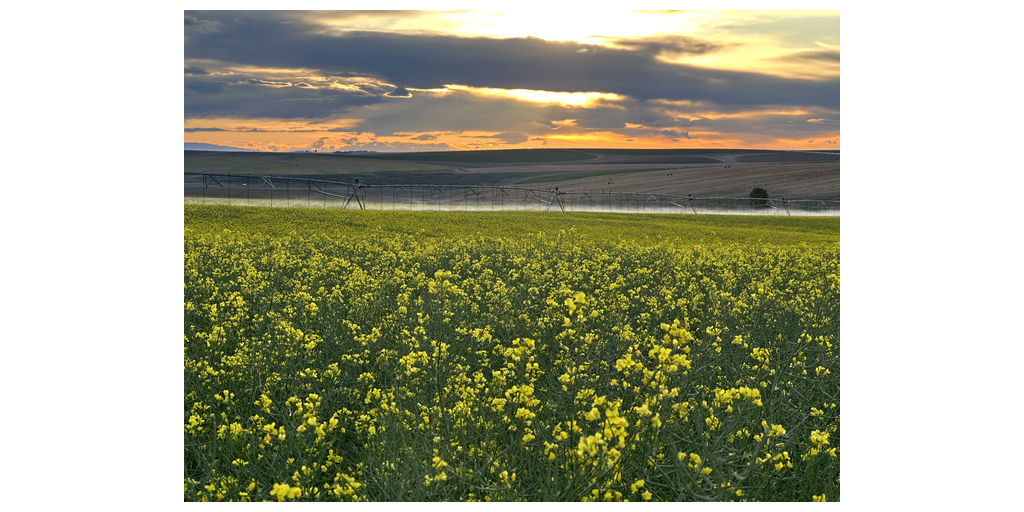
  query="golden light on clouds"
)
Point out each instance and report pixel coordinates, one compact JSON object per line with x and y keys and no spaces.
{"x":767,"y":42}
{"x":234,"y":125}
{"x":427,"y":80}
{"x":758,"y":57}
{"x":736,"y":37}
{"x":744,"y":114}
{"x":557,"y":23}
{"x":565,"y":99}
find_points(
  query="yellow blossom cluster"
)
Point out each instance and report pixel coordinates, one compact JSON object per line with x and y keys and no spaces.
{"x":412,"y":365}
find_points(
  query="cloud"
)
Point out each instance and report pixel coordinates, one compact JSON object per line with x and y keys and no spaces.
{"x":393,"y":146}
{"x":199,"y":26}
{"x":673,"y":133}
{"x":431,"y":61}
{"x":269,"y":65}
{"x":603,"y":122}
{"x":254,"y":98}
{"x":399,"y":92}
{"x":812,"y":56}
{"x":667,"y":44}
{"x":203,"y":87}
{"x":457,"y":111}
{"x":192,"y":130}
{"x":507,"y":137}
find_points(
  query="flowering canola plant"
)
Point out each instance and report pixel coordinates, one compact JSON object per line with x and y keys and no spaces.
{"x":516,"y":366}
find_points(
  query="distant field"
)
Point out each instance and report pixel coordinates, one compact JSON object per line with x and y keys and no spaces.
{"x":295,"y":163}
{"x":666,"y":152}
{"x":501,"y":156}
{"x":578,"y":175}
{"x":793,"y":175}
{"x":791,"y":181}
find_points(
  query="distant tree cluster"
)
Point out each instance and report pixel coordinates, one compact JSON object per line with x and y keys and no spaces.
{"x":759,"y":195}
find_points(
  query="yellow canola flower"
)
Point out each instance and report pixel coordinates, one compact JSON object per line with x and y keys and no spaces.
{"x":774,"y":430}
{"x":819,"y":438}
{"x":590,"y":444}
{"x":636,"y":486}
{"x":355,"y":280}
{"x":283,"y":491}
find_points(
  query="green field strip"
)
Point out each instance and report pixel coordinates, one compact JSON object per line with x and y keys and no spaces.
{"x":692,"y":229}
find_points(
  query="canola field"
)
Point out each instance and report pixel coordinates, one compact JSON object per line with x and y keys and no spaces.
{"x":431,"y":356}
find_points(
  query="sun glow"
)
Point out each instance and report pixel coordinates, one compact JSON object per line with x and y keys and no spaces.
{"x":565,"y":99}
{"x":590,"y":26}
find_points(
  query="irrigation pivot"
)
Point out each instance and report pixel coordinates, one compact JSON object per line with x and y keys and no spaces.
{"x":215,"y":188}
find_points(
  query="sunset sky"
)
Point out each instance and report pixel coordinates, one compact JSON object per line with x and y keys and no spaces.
{"x":461,"y":80}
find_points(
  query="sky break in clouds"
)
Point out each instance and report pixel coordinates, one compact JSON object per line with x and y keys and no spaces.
{"x":428,"y":81}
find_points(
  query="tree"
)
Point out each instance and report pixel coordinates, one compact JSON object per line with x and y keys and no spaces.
{"x":759,"y":196}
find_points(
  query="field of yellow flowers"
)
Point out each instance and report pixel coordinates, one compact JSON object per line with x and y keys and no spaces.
{"x":427,"y":356}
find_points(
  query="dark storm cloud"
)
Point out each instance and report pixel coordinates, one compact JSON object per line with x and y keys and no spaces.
{"x":254,"y":98}
{"x":430,"y":61}
{"x":196,"y":70}
{"x":193,"y":130}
